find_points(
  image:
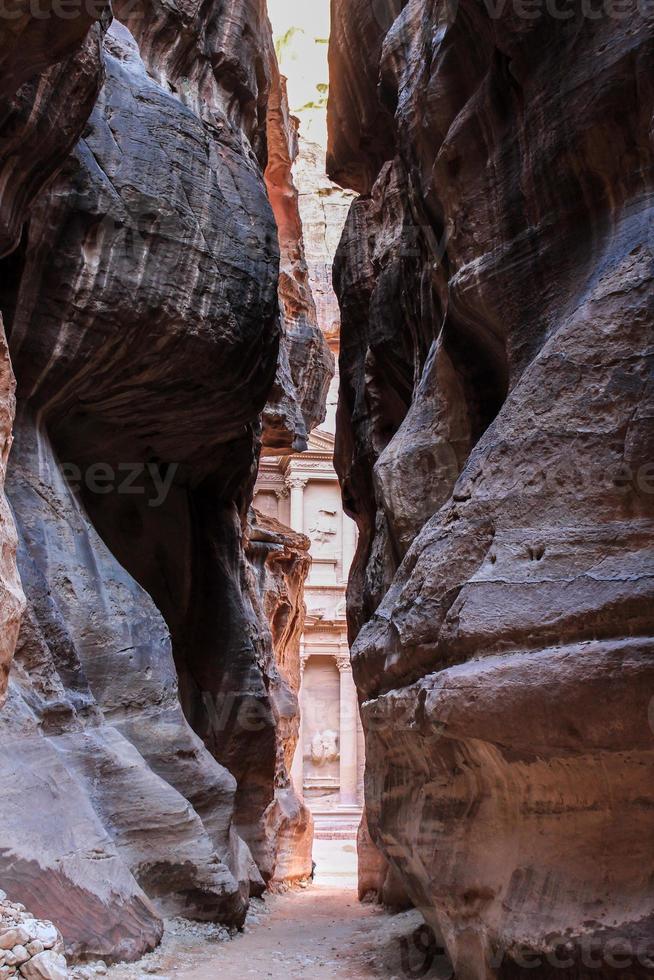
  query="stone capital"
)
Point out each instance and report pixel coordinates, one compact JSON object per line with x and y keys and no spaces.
{"x":295,"y":482}
{"x":344,"y":663}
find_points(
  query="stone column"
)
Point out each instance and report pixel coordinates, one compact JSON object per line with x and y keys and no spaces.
{"x":281,"y":493}
{"x":296,"y":484}
{"x":348,"y":733}
{"x":297,"y":769}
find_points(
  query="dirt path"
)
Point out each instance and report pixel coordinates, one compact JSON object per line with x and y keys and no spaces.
{"x":320,"y":932}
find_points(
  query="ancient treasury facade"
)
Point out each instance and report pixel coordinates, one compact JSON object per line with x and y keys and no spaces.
{"x":207,"y":628}
{"x":302,"y":491}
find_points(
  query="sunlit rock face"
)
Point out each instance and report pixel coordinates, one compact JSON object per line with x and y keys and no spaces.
{"x":141,"y":307}
{"x":297,"y":402}
{"x":280,"y":560}
{"x":496,"y":449}
{"x":323,"y":207}
{"x":11,"y":596}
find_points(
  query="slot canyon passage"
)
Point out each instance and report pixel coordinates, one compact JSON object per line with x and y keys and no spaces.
{"x":326,"y":489}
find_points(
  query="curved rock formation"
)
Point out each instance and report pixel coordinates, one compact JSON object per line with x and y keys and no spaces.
{"x":142,"y":311}
{"x":48,"y":83}
{"x":281,"y":561}
{"x":306,"y":365}
{"x":49,"y":80}
{"x":12,"y":600}
{"x":495,"y":448}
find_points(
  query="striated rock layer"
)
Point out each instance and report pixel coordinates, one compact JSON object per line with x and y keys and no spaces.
{"x":145,"y":707}
{"x":297,"y":401}
{"x":495,"y":447}
{"x":49,"y":80}
{"x":280,"y":560}
{"x":12,"y":600}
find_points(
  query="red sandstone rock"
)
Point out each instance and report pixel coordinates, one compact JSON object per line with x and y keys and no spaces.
{"x":143,"y":317}
{"x":280,"y":559}
{"x":12,"y":600}
{"x":323,"y":207}
{"x":297,"y":401}
{"x":495,"y":284}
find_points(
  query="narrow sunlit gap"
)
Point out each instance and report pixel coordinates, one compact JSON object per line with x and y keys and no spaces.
{"x":302,"y":491}
{"x":243,"y":735}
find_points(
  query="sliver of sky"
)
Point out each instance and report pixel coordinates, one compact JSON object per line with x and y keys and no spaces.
{"x":301,"y":33}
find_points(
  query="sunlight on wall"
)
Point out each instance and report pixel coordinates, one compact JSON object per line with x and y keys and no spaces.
{"x":301,"y":32}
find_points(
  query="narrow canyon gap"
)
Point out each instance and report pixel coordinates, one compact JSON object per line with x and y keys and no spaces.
{"x":149,"y":717}
{"x":494,"y":445}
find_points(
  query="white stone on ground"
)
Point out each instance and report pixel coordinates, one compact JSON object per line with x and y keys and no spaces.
{"x":29,"y":947}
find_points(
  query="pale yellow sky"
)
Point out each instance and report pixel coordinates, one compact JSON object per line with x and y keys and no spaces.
{"x":301,"y":30}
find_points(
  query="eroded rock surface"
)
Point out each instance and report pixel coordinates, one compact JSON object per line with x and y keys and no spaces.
{"x":141,"y":304}
{"x":12,"y":600}
{"x":50,"y":75}
{"x":280,"y":560}
{"x":323,"y":207}
{"x":306,"y":366}
{"x":495,"y":281}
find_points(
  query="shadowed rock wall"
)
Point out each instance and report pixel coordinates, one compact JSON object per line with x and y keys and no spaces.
{"x":495,"y":446}
{"x":142,"y":311}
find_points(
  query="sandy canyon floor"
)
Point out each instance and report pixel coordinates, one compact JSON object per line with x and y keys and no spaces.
{"x":322,"y":931}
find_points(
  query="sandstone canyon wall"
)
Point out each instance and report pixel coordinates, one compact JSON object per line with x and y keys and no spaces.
{"x":139,"y":288}
{"x":495,"y":446}
{"x":306,"y":365}
{"x":280,"y":559}
{"x":12,"y":599}
{"x":279,"y":556}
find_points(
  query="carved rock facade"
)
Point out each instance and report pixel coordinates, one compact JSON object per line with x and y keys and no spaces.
{"x":495,"y":448}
